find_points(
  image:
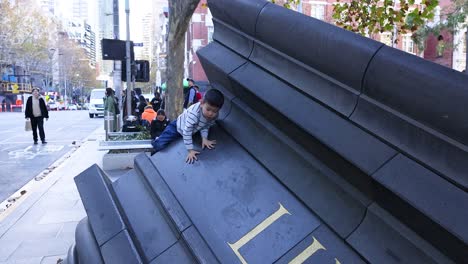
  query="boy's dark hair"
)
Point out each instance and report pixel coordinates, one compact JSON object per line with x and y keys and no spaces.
{"x":214,"y":97}
{"x":161,"y":112}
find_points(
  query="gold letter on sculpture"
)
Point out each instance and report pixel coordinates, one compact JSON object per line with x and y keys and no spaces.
{"x":257,"y":230}
{"x":303,"y":256}
{"x":309,"y":251}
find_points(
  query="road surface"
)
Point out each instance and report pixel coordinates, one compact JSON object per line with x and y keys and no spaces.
{"x":21,"y":160}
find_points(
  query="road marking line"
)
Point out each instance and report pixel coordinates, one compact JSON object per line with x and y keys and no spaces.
{"x":8,"y":139}
{"x":29,"y":142}
{"x":7,"y":207}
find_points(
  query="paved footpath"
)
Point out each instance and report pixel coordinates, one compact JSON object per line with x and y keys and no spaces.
{"x":39,"y":228}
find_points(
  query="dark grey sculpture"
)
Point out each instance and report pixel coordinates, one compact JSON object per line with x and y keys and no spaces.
{"x":332,"y":148}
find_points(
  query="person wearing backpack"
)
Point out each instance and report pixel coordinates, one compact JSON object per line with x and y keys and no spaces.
{"x":191,"y":97}
{"x":141,"y":102}
{"x":156,"y":101}
{"x":198,"y":95}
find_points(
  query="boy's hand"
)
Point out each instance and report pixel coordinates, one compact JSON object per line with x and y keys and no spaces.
{"x":192,"y":156}
{"x":209,"y":144}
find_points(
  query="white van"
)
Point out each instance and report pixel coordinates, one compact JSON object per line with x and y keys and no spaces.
{"x":96,"y":102}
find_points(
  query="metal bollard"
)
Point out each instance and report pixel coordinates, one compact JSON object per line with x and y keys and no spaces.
{"x":108,"y":123}
{"x":118,"y":121}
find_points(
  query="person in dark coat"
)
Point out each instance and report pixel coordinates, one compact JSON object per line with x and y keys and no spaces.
{"x":159,"y":124}
{"x":141,"y":103}
{"x":156,"y":101}
{"x":190,"y":97}
{"x":36,"y":111}
{"x":111,"y":107}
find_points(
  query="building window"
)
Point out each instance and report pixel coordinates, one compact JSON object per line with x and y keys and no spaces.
{"x":210,"y":33}
{"x":318,"y":11}
{"x":196,"y":18}
{"x":408,"y":44}
{"x":386,"y":38}
{"x":196,"y":44}
{"x":440,"y":46}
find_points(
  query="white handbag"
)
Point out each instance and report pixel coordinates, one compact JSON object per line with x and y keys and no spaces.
{"x":27,"y":125}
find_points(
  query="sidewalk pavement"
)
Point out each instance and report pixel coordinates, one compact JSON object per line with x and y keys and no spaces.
{"x":40,"y":227}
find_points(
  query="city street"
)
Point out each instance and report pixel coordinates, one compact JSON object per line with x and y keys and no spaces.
{"x":21,"y":160}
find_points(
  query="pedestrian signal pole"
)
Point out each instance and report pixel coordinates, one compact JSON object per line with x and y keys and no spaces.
{"x":128,"y":60}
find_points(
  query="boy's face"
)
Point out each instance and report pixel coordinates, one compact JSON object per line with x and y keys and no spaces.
{"x":209,"y":111}
{"x":161,"y":117}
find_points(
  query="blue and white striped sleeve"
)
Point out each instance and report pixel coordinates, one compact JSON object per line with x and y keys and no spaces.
{"x":204,"y":132}
{"x":191,"y":122}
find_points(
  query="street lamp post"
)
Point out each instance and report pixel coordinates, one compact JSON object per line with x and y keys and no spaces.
{"x":64,"y":77}
{"x":117,"y":64}
{"x":51,"y":70}
{"x":128,"y":60}
{"x":13,"y":64}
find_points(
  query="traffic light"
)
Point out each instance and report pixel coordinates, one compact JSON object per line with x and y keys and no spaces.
{"x":142,"y":71}
{"x":114,"y":49}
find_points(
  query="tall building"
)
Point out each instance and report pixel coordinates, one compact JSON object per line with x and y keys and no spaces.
{"x":146,"y":51}
{"x":80,"y":10}
{"x":82,"y":33}
{"x":47,"y":6}
{"x":90,"y":44}
{"x":160,"y":41}
{"x":104,"y":30}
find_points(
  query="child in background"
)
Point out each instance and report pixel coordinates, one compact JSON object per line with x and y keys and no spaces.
{"x":159,"y":124}
{"x":149,"y":114}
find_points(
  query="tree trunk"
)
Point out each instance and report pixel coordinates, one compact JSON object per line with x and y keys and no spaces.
{"x":180,"y":13}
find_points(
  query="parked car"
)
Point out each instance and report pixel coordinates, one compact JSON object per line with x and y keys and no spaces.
{"x":61,"y":106}
{"x":52,"y":105}
{"x":72,"y":107}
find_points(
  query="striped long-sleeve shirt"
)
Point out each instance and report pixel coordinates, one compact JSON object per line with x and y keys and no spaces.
{"x":190,"y":122}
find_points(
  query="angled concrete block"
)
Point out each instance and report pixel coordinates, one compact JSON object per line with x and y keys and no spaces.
{"x":99,"y":202}
{"x":226,"y":201}
{"x":120,"y":250}
{"x":145,"y":217}
{"x":148,"y":171}
{"x":177,"y":253}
